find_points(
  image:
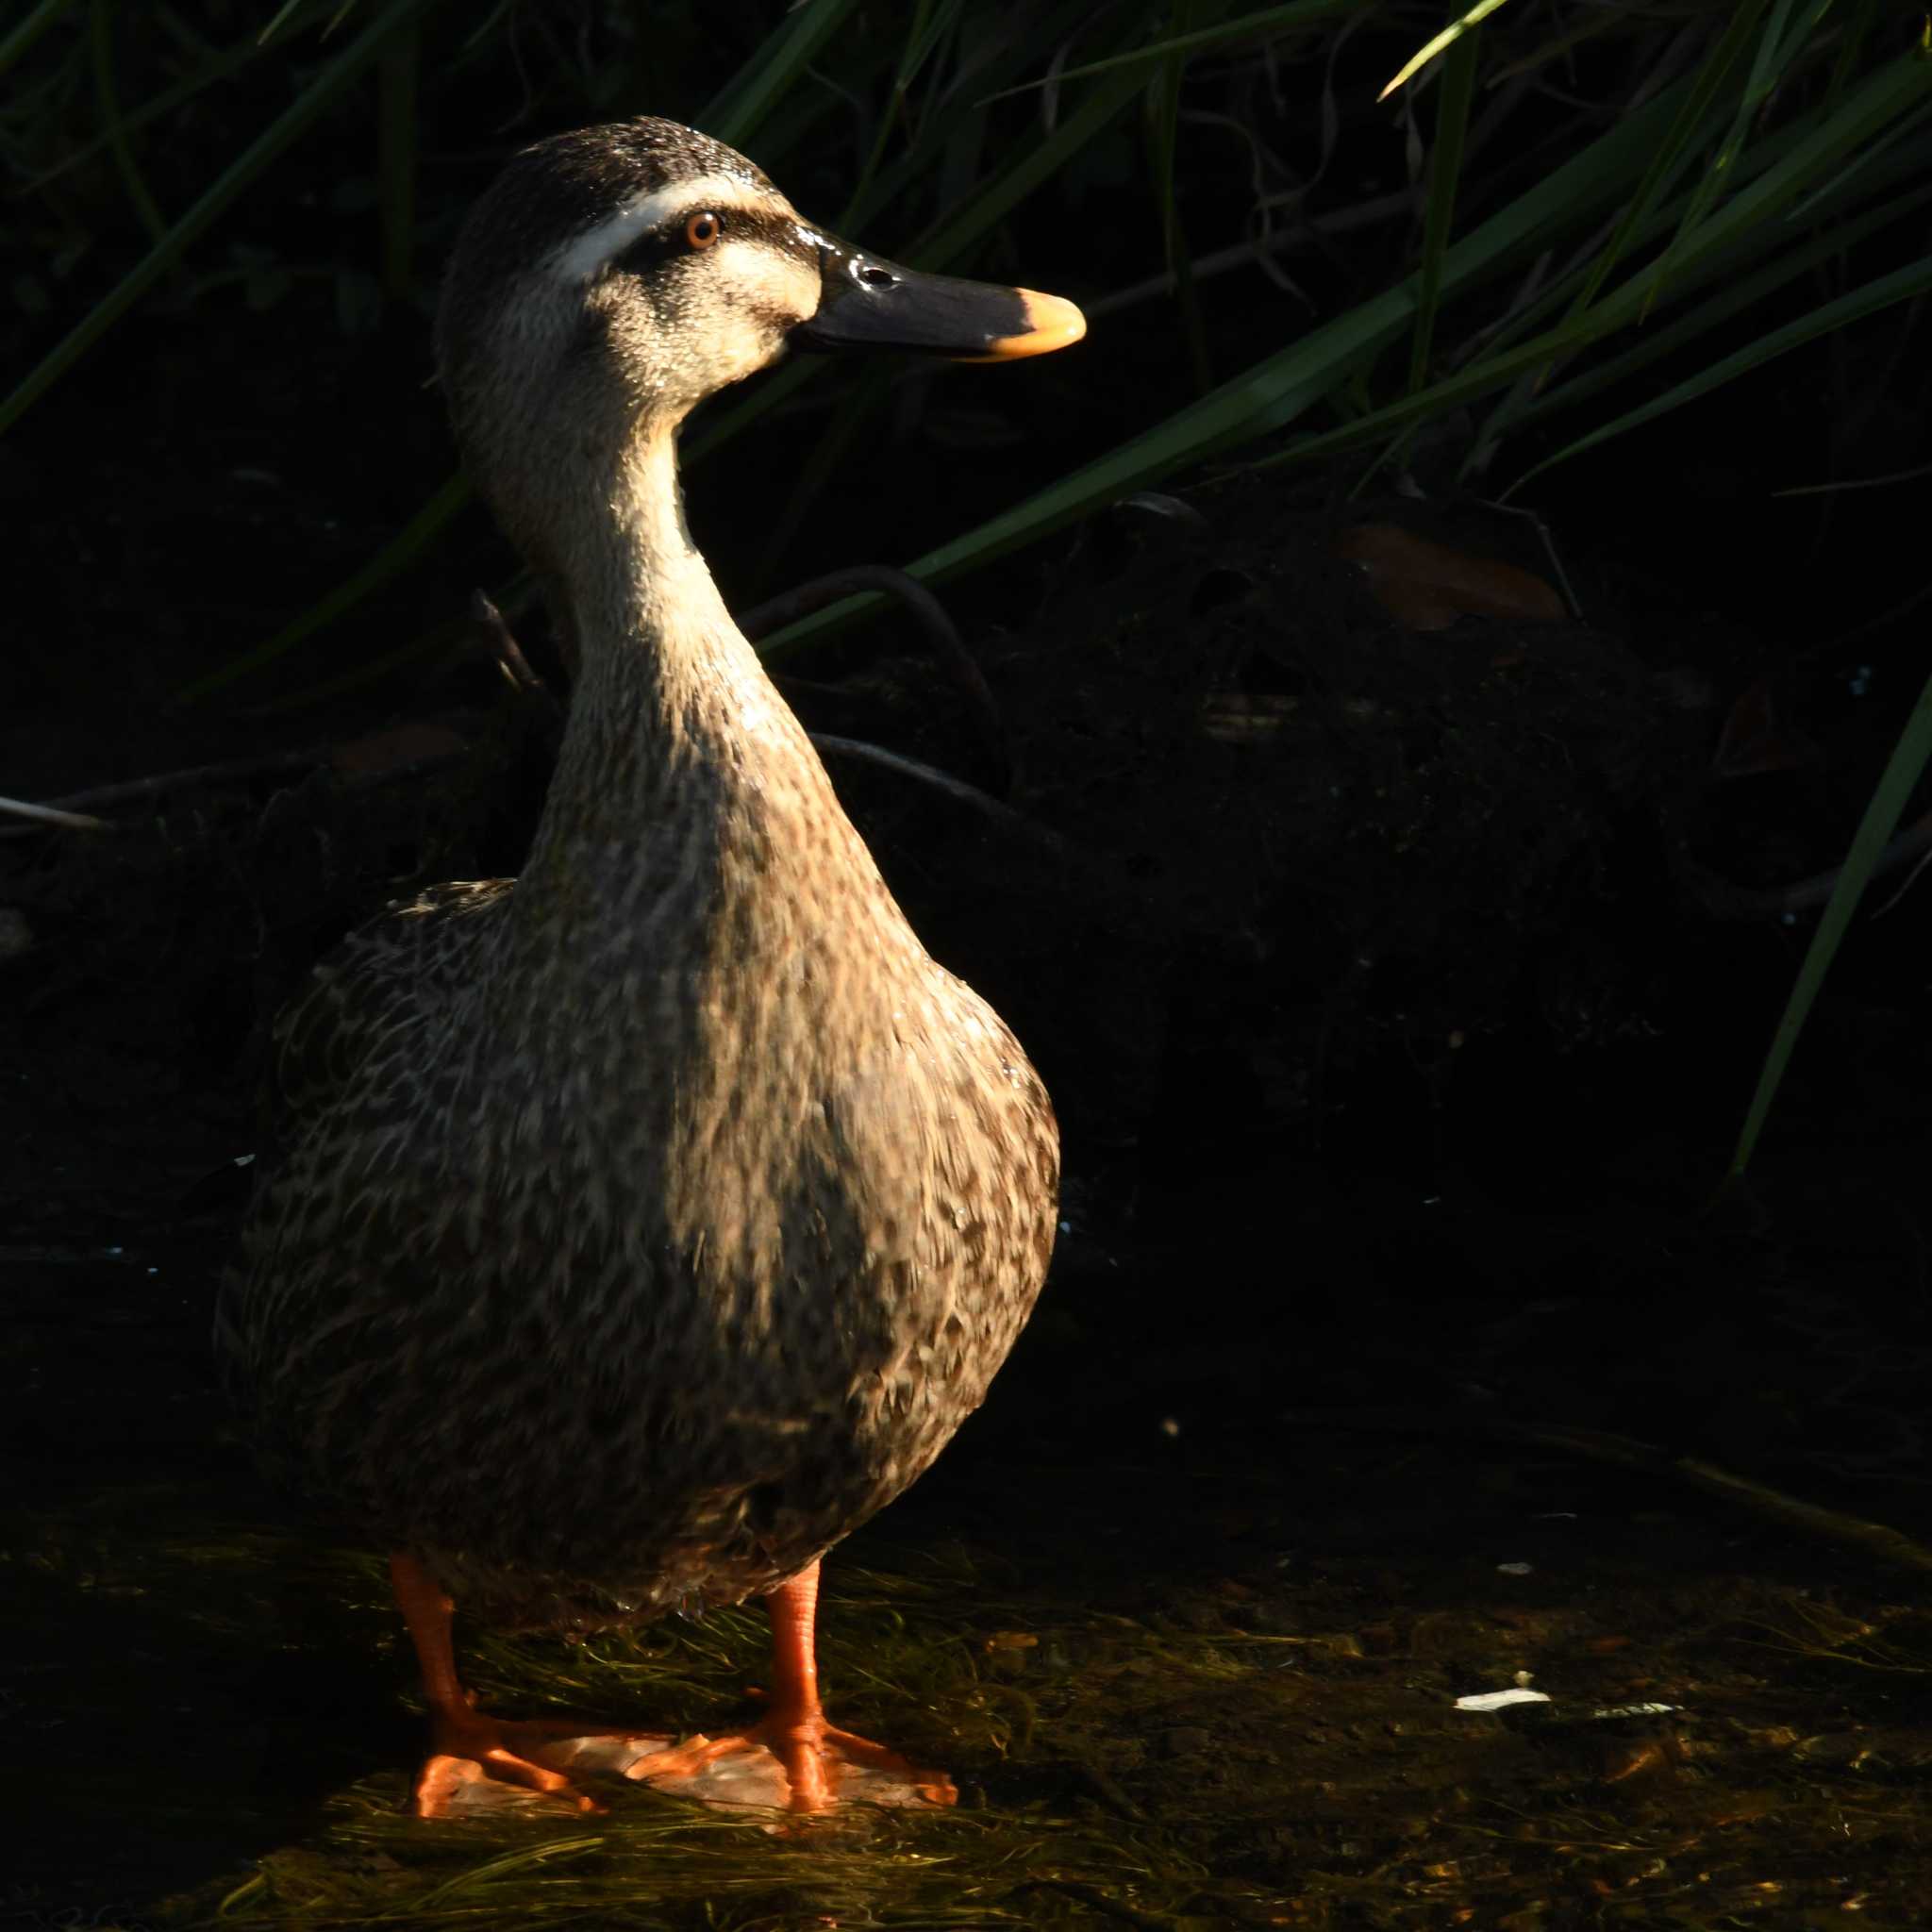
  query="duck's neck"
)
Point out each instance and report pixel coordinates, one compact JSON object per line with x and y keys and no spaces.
{"x":660,"y":666}
{"x":682,"y":770}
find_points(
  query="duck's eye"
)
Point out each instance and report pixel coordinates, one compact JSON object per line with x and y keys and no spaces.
{"x":702,"y":229}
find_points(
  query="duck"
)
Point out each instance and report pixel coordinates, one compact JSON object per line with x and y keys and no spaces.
{"x":636,"y":1228}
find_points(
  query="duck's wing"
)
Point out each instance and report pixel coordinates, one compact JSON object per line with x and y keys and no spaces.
{"x":375,"y":997}
{"x":392,"y":974}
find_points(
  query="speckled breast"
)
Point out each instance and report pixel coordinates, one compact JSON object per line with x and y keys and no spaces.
{"x":596,"y":1371}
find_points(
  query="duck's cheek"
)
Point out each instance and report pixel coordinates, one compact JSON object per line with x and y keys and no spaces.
{"x":759,"y":294}
{"x":754,"y":344}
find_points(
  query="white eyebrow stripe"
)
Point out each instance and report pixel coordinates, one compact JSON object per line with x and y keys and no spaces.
{"x":579,"y":260}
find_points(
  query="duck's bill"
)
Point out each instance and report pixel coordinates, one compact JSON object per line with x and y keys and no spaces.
{"x":866,"y":303}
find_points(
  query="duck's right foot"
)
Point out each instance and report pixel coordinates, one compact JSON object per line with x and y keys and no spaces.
{"x":470,"y":1751}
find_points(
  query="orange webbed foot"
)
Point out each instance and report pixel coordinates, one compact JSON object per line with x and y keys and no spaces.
{"x":471,"y":1753}
{"x":804,"y":1765}
{"x":790,"y":1760}
{"x":791,"y":1757}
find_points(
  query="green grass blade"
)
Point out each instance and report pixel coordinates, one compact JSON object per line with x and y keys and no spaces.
{"x":1165,"y":112}
{"x":107,"y":104}
{"x":1454,"y":35}
{"x":1271,"y":23}
{"x":1811,"y":167}
{"x":1863,"y":161}
{"x":1775,"y":46}
{"x":19,"y":41}
{"x":519,"y":1860}
{"x":280,"y":18}
{"x":1750,"y":214}
{"x":1873,"y":167}
{"x":931,"y":27}
{"x":737,"y":110}
{"x":956,"y":110}
{"x":1687,"y":132}
{"x":1895,"y":786}
{"x":1278,"y":389}
{"x":1445,"y":175}
{"x":928,"y":30}
{"x":990,"y":200}
{"x":1561,"y":296}
{"x":1904,"y":284}
{"x":922,"y":35}
{"x":216,"y":67}
{"x":1738,"y":293}
{"x":1853,"y":37}
{"x":1894,"y":90}
{"x":235,"y":179}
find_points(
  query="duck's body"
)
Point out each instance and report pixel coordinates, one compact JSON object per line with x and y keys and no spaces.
{"x":669,"y":1208}
{"x":647,"y":1223}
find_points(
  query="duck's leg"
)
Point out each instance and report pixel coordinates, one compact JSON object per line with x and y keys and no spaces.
{"x":466,"y":1745}
{"x":816,"y":1763}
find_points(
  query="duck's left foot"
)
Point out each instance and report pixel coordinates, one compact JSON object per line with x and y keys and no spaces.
{"x":795,"y":1764}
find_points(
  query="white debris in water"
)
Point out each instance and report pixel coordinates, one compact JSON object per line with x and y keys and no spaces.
{"x":1499,"y":1700}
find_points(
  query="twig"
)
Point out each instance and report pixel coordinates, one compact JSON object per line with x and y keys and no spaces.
{"x":1364,"y":214}
{"x":776,"y":612}
{"x":193,"y":774}
{"x":942,"y":781}
{"x":1158,"y":503}
{"x":53,"y":815}
{"x":507,"y":654}
{"x":59,"y":811}
{"x":503,"y":650}
{"x":1552,"y":556}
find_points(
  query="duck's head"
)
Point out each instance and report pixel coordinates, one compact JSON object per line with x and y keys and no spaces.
{"x":613,"y":277}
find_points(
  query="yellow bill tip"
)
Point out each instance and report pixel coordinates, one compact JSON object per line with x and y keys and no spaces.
{"x":1052,"y":322}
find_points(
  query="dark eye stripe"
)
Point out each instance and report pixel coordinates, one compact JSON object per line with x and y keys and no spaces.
{"x":651,"y":251}
{"x":670,"y":242}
